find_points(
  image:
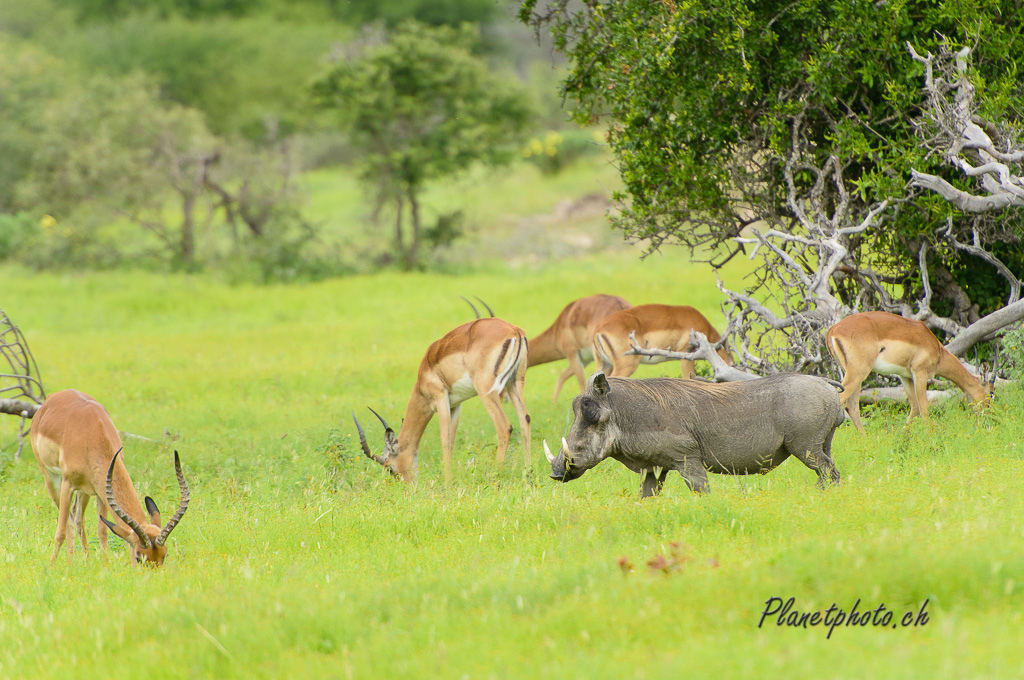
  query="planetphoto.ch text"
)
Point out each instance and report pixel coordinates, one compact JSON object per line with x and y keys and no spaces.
{"x":784,"y":613}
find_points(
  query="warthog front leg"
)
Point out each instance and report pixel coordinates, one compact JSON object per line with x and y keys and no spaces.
{"x":695,"y":475}
{"x":652,"y":482}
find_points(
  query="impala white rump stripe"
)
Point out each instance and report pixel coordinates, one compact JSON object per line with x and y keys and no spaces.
{"x":514,"y":356}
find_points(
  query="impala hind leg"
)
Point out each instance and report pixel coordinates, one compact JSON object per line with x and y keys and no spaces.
{"x":849,"y":398}
{"x":566,"y":374}
{"x":101,"y":511}
{"x":626,"y":366}
{"x":519,"y":404}
{"x":575,"y":369}
{"x":78,"y":506}
{"x":492,"y":402}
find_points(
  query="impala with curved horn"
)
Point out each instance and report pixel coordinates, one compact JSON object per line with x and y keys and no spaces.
{"x":78,"y":450}
{"x":888,"y":344}
{"x":486,"y":357}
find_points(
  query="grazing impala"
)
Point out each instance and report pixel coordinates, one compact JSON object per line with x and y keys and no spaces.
{"x":656,"y":326}
{"x":486,"y":357}
{"x":77,"y":447}
{"x":892,"y":345}
{"x":571,"y":336}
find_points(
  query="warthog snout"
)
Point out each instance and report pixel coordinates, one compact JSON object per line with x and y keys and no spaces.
{"x":562,"y":469}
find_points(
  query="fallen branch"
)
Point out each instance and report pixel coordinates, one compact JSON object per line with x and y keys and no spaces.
{"x":723,"y":372}
{"x":874,"y":395}
{"x":17,"y":407}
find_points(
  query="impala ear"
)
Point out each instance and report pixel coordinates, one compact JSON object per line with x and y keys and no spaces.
{"x":154,"y":512}
{"x":113,"y":528}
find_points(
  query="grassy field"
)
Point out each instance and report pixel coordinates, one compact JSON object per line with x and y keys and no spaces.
{"x":300,"y":558}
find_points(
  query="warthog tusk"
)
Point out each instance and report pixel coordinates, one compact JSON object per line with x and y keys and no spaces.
{"x":547,"y":452}
{"x":565,"y":451}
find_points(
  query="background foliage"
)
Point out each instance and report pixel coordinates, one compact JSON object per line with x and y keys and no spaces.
{"x":151,"y":131}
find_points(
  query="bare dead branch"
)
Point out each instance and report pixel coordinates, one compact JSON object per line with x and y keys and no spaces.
{"x":723,"y":372}
{"x":17,"y":407}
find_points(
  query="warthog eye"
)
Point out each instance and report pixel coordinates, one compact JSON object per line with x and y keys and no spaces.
{"x":591,"y":412}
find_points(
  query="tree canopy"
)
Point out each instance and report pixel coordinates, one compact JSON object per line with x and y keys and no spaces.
{"x":805,"y":121}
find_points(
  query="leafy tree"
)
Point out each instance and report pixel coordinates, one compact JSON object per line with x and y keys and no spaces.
{"x":109,"y":147}
{"x":421,"y":107}
{"x":805,"y":120}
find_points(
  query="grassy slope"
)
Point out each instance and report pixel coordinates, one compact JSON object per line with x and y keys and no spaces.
{"x":297,"y":558}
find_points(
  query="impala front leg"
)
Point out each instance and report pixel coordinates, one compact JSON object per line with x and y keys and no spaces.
{"x":448,"y":422}
{"x":62,"y":520}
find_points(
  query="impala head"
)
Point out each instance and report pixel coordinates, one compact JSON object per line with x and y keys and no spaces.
{"x":147,"y":541}
{"x":592,"y":435}
{"x":988,"y":378}
{"x":389,"y":459}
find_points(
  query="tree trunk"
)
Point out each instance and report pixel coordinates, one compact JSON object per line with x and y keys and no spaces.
{"x":399,"y":236}
{"x":413,"y":254}
{"x":188,"y":244}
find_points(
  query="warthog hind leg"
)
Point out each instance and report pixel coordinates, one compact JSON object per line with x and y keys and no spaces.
{"x":818,"y":459}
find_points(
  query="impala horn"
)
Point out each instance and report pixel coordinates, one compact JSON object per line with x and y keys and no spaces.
{"x":380,"y":460}
{"x":125,"y":517}
{"x":486,"y":306}
{"x":473,"y":307}
{"x":182,"y":507}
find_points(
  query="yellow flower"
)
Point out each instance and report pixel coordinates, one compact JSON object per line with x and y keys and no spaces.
{"x":47,"y":222}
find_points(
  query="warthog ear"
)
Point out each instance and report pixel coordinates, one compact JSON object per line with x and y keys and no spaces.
{"x":600,"y":384}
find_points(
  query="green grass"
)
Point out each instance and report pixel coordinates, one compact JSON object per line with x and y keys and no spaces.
{"x":299,"y":558}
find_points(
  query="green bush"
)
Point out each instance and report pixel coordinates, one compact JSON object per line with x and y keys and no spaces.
{"x":15,"y":232}
{"x":1013,"y":351}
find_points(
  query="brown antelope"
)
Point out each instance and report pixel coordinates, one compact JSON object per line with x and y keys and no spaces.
{"x":77,"y":447}
{"x":571,"y":336}
{"x":656,"y":326}
{"x":892,"y":345}
{"x":486,"y":357}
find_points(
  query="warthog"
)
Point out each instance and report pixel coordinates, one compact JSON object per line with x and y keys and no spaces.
{"x":695,"y":426}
